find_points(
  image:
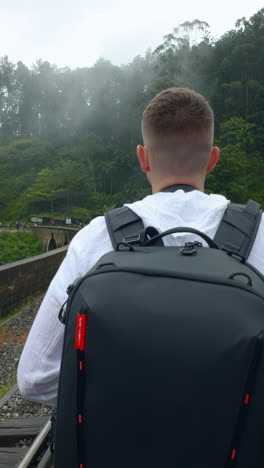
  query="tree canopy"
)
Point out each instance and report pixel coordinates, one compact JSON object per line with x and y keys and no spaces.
{"x":68,"y":137}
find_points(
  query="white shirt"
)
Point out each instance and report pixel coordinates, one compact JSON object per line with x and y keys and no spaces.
{"x":39,"y":365}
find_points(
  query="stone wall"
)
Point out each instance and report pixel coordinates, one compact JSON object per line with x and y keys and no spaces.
{"x":53,"y":237}
{"x":27,"y":278}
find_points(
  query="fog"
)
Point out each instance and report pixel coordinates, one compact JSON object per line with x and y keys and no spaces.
{"x":68,"y":135}
{"x":76,"y":33}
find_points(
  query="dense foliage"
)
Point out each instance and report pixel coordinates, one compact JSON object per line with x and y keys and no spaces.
{"x":18,"y":245}
{"x":68,"y":137}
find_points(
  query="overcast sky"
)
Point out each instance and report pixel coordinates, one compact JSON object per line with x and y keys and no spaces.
{"x":76,"y":33}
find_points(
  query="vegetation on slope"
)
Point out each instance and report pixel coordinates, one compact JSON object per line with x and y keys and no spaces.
{"x":18,"y":245}
{"x":68,"y":137}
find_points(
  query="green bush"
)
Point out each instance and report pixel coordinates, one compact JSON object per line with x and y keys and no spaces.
{"x":18,"y":245}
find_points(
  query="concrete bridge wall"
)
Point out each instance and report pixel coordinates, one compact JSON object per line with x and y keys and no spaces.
{"x":53,"y":237}
{"x":25,"y":278}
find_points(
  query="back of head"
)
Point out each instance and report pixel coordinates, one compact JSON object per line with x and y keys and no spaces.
{"x":177,"y":129}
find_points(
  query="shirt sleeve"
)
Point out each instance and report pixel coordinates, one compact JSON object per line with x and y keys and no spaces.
{"x":256,"y":256}
{"x":38,"y":370}
{"x":40,"y":360}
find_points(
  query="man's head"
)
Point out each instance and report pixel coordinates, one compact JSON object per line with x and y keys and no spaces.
{"x":178,"y":132}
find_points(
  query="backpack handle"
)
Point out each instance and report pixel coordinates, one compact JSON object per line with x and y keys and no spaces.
{"x":207,"y":239}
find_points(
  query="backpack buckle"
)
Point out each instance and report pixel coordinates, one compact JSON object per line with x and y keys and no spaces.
{"x":135,"y":239}
{"x":190,"y":248}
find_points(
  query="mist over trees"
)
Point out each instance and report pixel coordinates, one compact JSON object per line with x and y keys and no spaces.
{"x":68,"y":137}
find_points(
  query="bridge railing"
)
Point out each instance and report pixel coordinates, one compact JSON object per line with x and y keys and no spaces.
{"x":27,"y":278}
{"x":53,"y":237}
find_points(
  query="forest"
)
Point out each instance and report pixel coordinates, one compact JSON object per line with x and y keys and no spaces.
{"x":68,"y":137}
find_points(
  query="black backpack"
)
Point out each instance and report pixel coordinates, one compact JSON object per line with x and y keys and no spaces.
{"x":163,"y":363}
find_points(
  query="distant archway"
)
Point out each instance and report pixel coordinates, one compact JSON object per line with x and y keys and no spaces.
{"x":55,"y":236}
{"x":52,"y":245}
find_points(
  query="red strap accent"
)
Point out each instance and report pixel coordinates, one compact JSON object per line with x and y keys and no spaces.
{"x":80,"y":418}
{"x":247,"y":398}
{"x":81,"y":365}
{"x":80,"y":333}
{"x":234,"y":454}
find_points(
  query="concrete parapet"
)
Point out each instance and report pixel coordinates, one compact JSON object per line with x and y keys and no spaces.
{"x":25,"y":278}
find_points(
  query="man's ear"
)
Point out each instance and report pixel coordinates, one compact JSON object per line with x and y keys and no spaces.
{"x":142,"y":154}
{"x":213,"y":159}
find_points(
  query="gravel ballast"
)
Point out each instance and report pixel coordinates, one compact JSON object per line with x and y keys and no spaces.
{"x":12,"y":338}
{"x":19,"y":407}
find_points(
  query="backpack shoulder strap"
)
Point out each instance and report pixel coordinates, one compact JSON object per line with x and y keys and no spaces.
{"x":238,"y":228}
{"x":121,"y":223}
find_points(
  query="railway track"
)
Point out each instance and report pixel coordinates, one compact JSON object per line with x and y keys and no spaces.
{"x":25,"y":427}
{"x":15,"y":455}
{"x":25,"y":442}
{"x":13,"y":317}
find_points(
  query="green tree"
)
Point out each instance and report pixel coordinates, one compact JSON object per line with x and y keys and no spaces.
{"x":239,"y":172}
{"x":44,"y":190}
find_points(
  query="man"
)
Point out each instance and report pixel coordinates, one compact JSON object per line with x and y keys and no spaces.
{"x":177,"y":130}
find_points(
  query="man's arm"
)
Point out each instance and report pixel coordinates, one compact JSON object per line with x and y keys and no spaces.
{"x":256,"y":256}
{"x":40,"y":360}
{"x":39,"y":365}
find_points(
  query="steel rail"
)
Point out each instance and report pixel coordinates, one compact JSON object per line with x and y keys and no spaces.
{"x":35,"y":447}
{"x":11,"y":318}
{"x":47,"y":460}
{"x":8,"y":395}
